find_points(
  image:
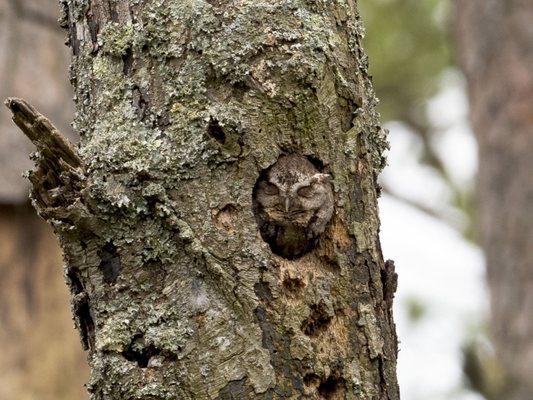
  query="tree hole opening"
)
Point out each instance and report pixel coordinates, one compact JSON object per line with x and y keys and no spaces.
{"x":292,"y":203}
{"x":215,"y":131}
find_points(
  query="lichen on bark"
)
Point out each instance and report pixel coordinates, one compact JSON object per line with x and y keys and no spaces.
{"x":180,"y":106}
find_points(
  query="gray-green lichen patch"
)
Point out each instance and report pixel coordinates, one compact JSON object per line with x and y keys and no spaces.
{"x":116,"y":39}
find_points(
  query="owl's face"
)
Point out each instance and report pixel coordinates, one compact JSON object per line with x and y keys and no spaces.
{"x":293,"y":192}
{"x":293,"y":202}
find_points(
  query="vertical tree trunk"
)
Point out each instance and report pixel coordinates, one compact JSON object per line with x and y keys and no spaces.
{"x":182,"y":106}
{"x":496,"y":49}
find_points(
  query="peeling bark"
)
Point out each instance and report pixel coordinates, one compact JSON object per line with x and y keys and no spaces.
{"x":180,"y":106}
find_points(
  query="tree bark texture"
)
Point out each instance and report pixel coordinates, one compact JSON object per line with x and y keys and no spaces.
{"x":181,"y":106}
{"x":496,"y":51}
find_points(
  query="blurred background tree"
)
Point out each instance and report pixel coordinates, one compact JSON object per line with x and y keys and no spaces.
{"x":412,"y":59}
{"x":495,"y":45}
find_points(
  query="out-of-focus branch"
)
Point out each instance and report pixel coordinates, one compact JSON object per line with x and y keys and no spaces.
{"x":430,"y":155}
{"x":460,"y":195}
{"x":412,"y":203}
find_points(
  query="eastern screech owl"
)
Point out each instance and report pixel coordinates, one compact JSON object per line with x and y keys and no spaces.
{"x":293,"y":202}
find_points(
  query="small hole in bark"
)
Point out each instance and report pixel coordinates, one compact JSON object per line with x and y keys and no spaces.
{"x":141,"y":353}
{"x":317,"y":322}
{"x":293,"y":285}
{"x":241,"y":86}
{"x":142,"y":356}
{"x":312,"y":380}
{"x":143,"y":176}
{"x":216,"y":132}
{"x":332,"y":388}
{"x":110,"y":263}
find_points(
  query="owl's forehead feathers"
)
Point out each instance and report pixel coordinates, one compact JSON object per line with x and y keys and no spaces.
{"x":291,"y":169}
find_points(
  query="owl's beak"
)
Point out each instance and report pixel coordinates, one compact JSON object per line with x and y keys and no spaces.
{"x":287,"y":204}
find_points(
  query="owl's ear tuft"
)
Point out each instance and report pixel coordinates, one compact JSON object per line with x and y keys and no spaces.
{"x":321,"y":178}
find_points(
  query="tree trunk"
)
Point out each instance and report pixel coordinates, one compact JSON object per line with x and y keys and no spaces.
{"x":184,"y":109}
{"x":496,"y":49}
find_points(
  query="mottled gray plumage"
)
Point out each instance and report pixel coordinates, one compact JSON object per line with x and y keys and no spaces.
{"x":293,"y":202}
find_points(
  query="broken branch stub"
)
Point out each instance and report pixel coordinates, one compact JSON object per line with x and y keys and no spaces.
{"x":59,"y":167}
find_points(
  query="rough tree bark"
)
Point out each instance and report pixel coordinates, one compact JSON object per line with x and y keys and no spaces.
{"x":496,"y":51}
{"x":181,"y":106}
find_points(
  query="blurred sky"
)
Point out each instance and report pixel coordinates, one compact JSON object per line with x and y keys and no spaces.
{"x":441,"y":301}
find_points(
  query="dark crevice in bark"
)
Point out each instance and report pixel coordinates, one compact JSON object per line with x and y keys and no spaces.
{"x":141,"y":353}
{"x":318,"y":320}
{"x":110,"y":264}
{"x":81,"y":308}
{"x":318,"y":163}
{"x":383,"y":386}
{"x":239,"y":89}
{"x":329,"y":388}
{"x":332,"y":388}
{"x":293,"y":285}
{"x":127,"y":61}
{"x":112,"y":10}
{"x":389,"y":281}
{"x":94,"y":29}
{"x":215,"y":131}
{"x":73,"y":40}
{"x":142,"y":356}
{"x":85,"y":322}
{"x":73,"y":281}
{"x":140,"y":103}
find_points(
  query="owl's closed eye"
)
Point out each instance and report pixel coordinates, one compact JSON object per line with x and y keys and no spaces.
{"x":270,"y":189}
{"x":306,"y":191}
